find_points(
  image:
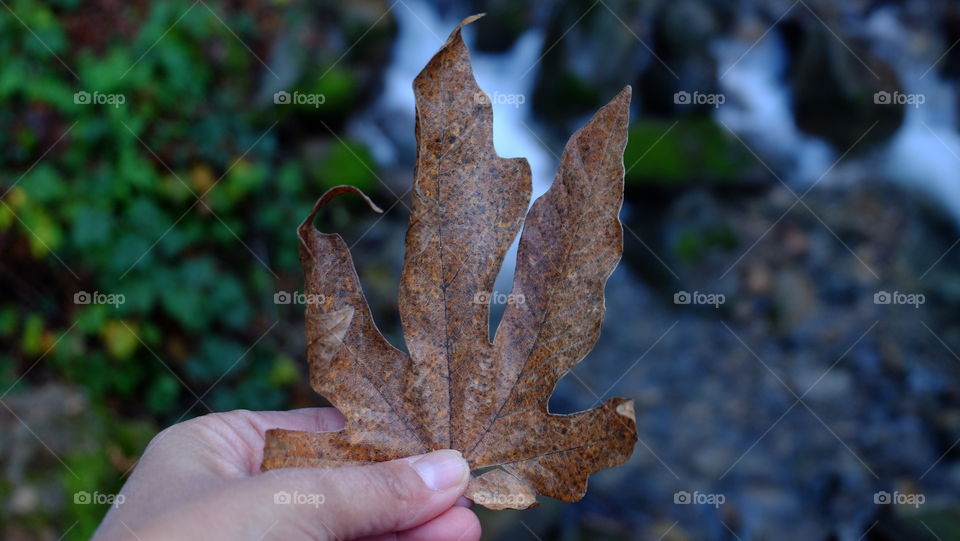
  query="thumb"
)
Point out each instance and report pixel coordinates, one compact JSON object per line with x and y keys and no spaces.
{"x":356,"y":501}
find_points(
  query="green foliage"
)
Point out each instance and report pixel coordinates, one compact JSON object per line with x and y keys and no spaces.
{"x":182,"y":199}
{"x":694,"y":149}
{"x":93,"y":472}
{"x":347,"y":162}
{"x":335,"y":84}
{"x":693,"y":244}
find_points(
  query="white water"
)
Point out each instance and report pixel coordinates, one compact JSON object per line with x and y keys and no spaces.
{"x":421,"y":32}
{"x":923,"y":155}
{"x":758,"y":109}
{"x":925,"y":152}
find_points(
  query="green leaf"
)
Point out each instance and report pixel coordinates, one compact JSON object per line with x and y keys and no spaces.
{"x":215,"y":358}
{"x":32,"y":336}
{"x":92,"y":226}
{"x":163,"y":394}
{"x":347,"y":162}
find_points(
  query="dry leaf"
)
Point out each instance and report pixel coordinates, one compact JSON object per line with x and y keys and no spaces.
{"x":456,"y":389}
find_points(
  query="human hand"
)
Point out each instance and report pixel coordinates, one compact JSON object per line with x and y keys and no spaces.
{"x":201,"y":479}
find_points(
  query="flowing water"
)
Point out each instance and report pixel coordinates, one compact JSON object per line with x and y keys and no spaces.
{"x":924,"y":153}
{"x":507,"y":78}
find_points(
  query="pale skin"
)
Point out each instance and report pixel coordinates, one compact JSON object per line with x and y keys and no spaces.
{"x":201,"y":480}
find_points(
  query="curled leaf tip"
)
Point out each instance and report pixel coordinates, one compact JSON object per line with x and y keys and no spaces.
{"x":324,"y":199}
{"x":333,"y":192}
{"x":471,"y":18}
{"x":456,"y":31}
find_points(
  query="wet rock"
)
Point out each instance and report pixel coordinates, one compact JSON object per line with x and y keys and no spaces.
{"x":842,"y":92}
{"x":681,"y":37}
{"x":505,"y":21}
{"x":950,"y":28}
{"x":311,"y":56}
{"x":588,"y":57}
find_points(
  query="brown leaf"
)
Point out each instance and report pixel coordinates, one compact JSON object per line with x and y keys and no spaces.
{"x":455,"y":389}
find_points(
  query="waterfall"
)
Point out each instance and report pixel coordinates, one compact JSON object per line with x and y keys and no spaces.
{"x":388,"y":126}
{"x":758,"y":108}
{"x":922,"y":155}
{"x":422,"y":30}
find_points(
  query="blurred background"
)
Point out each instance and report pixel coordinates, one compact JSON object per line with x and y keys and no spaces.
{"x":782,"y":314}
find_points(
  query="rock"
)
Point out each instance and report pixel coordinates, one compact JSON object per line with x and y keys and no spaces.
{"x":24,"y":500}
{"x":681,"y":36}
{"x":802,"y":303}
{"x":794,"y":297}
{"x":834,"y":89}
{"x":505,"y":21}
{"x":571,"y":81}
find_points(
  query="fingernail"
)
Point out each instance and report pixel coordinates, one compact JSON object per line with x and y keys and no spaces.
{"x":441,"y":470}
